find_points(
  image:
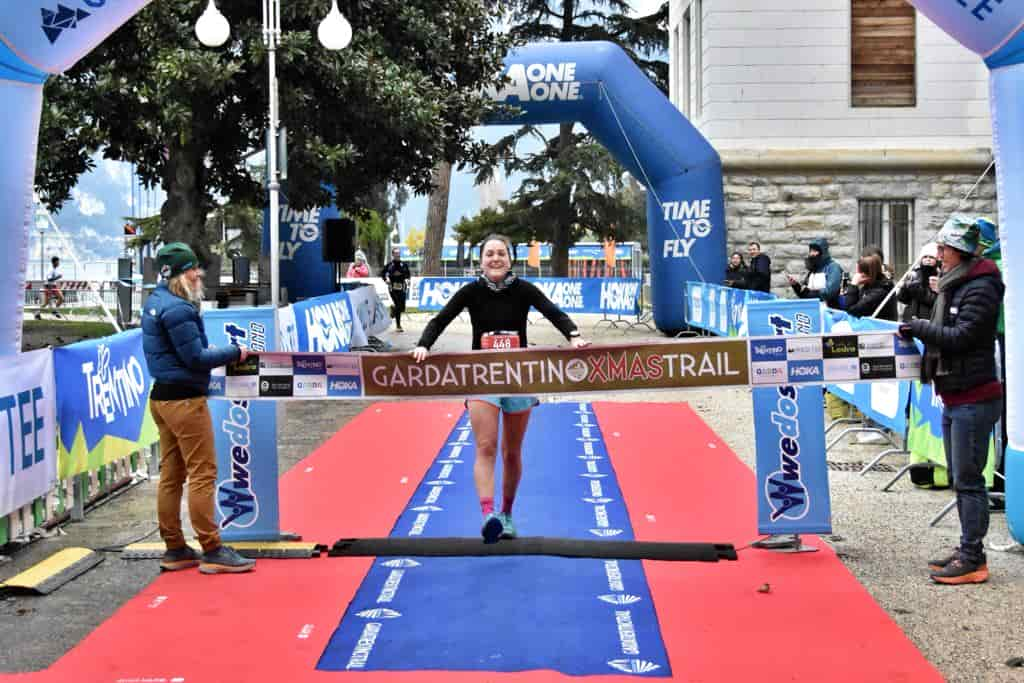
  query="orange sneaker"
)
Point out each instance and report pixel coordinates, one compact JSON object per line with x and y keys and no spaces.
{"x":960,"y":571}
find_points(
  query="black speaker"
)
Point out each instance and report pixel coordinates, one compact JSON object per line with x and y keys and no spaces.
{"x":339,"y":240}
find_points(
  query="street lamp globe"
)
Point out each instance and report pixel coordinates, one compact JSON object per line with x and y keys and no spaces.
{"x":334,"y":32}
{"x":212,"y":29}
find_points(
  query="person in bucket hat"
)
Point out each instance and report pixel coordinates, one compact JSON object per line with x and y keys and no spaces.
{"x":959,"y":341}
{"x":179,"y":358}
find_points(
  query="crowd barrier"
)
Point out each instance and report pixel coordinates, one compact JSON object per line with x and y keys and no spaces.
{"x":78,"y":427}
{"x":908,"y":409}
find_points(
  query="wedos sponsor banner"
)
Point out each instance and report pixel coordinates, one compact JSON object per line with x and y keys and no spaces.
{"x":789,"y":423}
{"x":102,"y":402}
{"x":615,"y":296}
{"x":28,"y":452}
{"x":585,"y":617}
{"x":245,"y":431}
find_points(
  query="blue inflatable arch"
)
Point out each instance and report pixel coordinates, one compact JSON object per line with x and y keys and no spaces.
{"x":598,"y":85}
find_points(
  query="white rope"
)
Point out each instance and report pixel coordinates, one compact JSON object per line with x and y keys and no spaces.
{"x":647,"y":179}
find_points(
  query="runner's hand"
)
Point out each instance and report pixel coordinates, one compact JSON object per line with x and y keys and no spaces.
{"x":243,"y":353}
{"x":580,"y":343}
{"x":419,"y":353}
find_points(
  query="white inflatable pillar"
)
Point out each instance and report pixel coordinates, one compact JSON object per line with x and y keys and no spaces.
{"x":36,"y":39}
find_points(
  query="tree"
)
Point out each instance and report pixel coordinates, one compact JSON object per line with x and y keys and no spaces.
{"x":559,"y":196}
{"x":437,"y":219}
{"x":414,"y":240}
{"x":373,"y":236}
{"x":403,"y":96}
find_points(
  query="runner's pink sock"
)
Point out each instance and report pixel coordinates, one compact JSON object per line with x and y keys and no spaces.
{"x":506,"y":505}
{"x":487,"y":506}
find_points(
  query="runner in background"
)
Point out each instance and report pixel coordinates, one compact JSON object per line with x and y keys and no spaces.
{"x":396,"y":274}
{"x":51,"y":290}
{"x":498,"y":303}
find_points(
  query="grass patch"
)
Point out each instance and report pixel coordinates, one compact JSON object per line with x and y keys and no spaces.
{"x":69,"y":328}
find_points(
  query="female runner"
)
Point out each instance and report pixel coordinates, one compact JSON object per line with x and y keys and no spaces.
{"x":498,"y":303}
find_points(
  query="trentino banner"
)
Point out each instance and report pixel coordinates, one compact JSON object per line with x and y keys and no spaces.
{"x":246,"y":434}
{"x":611,"y":296}
{"x":102,"y":402}
{"x":789,"y":422}
{"x":28,"y":453}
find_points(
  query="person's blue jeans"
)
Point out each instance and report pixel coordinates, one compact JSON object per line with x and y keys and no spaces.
{"x":966,"y":431}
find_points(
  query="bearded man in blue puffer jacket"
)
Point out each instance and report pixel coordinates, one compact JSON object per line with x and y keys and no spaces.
{"x":180,"y":359}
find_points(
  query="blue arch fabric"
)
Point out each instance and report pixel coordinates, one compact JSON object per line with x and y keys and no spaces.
{"x":598,"y":85}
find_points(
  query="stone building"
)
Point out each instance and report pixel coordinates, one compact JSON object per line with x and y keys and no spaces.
{"x":856,"y":120}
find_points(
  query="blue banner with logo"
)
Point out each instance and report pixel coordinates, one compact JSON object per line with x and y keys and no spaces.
{"x":585,"y":617}
{"x":719,"y":309}
{"x":611,"y":296}
{"x":246,"y":434}
{"x":102,"y":402}
{"x":303,"y":270}
{"x":789,"y":422}
{"x":582,"y":251}
{"x":324,"y":324}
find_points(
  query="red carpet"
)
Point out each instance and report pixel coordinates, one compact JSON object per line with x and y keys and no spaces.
{"x":816,"y":624}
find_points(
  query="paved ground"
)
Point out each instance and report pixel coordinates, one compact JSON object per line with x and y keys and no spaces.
{"x":969,"y":633}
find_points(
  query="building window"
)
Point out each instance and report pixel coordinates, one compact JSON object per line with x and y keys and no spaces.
{"x":888,"y":224}
{"x":883,"y":54}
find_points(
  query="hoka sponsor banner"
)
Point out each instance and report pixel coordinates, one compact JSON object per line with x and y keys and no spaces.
{"x":103,"y":402}
{"x":324,"y":324}
{"x":28,"y":454}
{"x":246,"y":430}
{"x":792,"y":475}
{"x":615,"y":296}
{"x":585,"y":617}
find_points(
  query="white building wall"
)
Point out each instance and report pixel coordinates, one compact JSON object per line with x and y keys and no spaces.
{"x":777,"y":76}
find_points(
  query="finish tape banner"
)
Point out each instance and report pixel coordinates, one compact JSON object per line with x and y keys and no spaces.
{"x":246,"y":435}
{"x":28,"y":452}
{"x":789,"y":423}
{"x":103,"y":402}
{"x":682,"y":364}
{"x":620,"y":296}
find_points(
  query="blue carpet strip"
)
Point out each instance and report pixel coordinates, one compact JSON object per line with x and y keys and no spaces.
{"x":510,"y":613}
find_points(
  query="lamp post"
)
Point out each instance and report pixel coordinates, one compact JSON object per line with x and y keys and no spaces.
{"x":334,"y":33}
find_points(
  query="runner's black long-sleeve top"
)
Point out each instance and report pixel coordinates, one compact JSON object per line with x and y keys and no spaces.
{"x":491,"y":311}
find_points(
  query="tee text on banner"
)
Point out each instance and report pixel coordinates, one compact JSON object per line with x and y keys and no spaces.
{"x":103,"y":402}
{"x":246,"y":435}
{"x":28,"y":451}
{"x":789,"y":420}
